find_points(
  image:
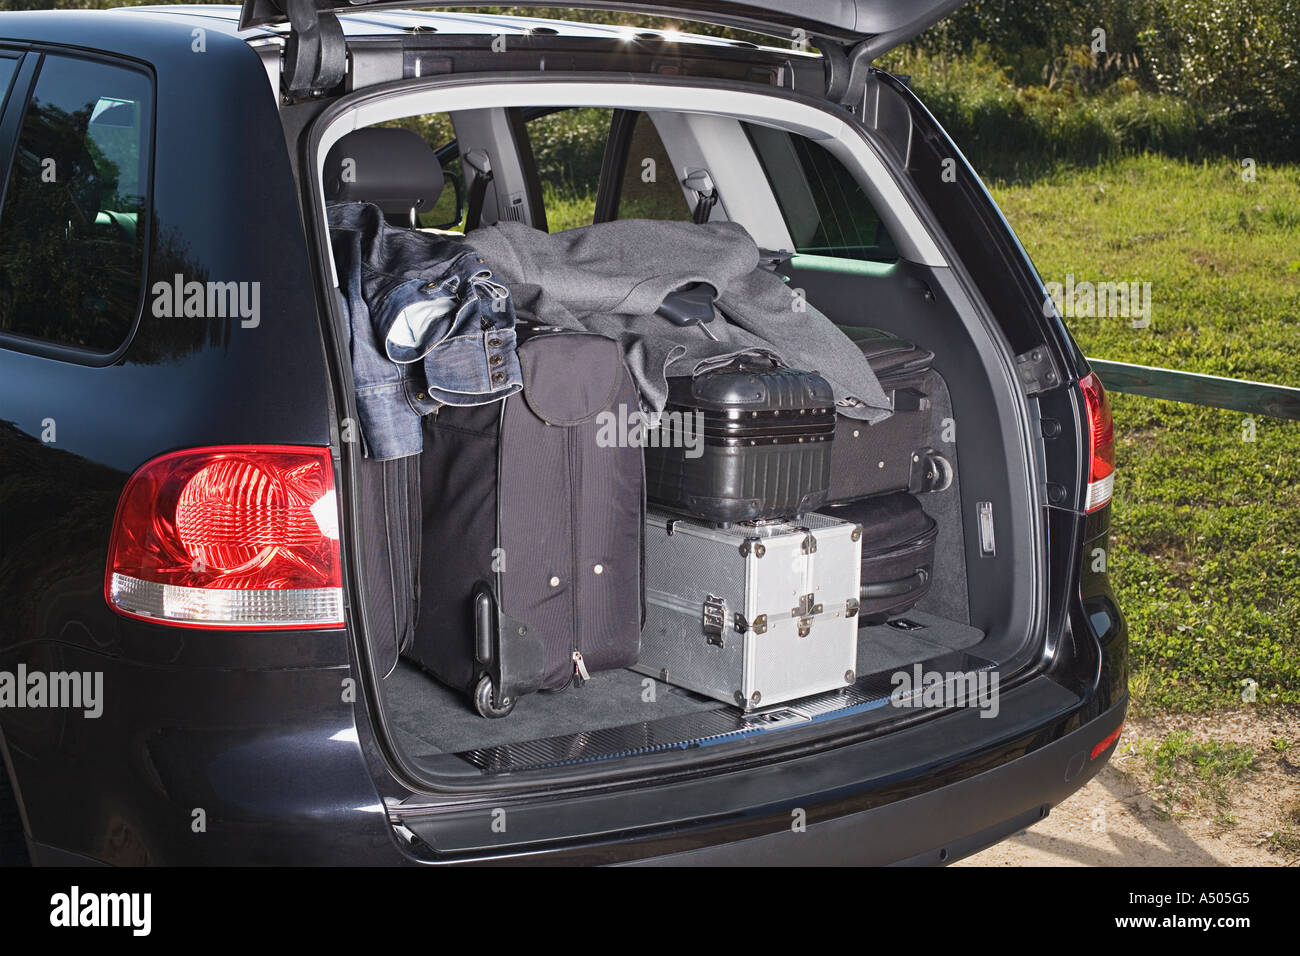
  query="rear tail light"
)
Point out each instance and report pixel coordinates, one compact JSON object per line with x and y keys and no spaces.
{"x":229,"y":537}
{"x":1101,"y":444}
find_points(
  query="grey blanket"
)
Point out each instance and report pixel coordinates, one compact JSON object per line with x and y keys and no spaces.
{"x":610,"y":278}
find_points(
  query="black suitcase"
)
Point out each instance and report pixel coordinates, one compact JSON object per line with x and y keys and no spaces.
{"x":898,"y":540}
{"x":897,"y":453}
{"x":765,"y":447}
{"x":532,"y":531}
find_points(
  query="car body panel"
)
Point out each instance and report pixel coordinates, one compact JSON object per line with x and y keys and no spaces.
{"x":74,"y":428}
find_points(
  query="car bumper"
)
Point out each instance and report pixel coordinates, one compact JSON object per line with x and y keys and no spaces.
{"x":937,"y":827}
{"x":283,"y":774}
{"x":927,"y":794}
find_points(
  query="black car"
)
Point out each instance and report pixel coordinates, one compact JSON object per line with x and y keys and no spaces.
{"x":174,"y":368}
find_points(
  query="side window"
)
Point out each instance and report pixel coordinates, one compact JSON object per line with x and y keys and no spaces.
{"x":649,"y":188}
{"x":568,"y":148}
{"x":74,"y":228}
{"x":826,"y":211}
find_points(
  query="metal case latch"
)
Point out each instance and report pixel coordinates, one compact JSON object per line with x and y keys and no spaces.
{"x":806,"y":607}
{"x":714,"y":619}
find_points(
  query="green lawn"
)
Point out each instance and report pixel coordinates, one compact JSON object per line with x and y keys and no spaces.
{"x":1206,"y":553}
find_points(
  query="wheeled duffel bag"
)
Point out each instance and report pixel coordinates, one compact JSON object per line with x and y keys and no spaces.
{"x":531,"y":557}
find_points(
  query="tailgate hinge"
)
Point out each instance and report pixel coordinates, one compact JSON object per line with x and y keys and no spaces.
{"x":1037,"y":371}
{"x":848,"y":68}
{"x":315,"y":53}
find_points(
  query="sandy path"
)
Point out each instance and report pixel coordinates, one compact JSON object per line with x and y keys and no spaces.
{"x":1113,"y":821}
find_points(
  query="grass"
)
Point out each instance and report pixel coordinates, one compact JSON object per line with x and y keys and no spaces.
{"x":569,"y":208}
{"x":566,"y":208}
{"x":1206,"y":547}
{"x":1285,"y":837}
{"x":1191,"y":775}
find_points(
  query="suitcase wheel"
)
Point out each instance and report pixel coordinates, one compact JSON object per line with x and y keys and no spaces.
{"x":486,"y":702}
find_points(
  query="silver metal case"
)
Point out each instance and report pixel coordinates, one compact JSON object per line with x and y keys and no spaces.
{"x":753,"y":614}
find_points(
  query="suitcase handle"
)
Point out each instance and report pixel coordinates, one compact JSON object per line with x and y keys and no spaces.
{"x":888,"y":589}
{"x":751,"y":361}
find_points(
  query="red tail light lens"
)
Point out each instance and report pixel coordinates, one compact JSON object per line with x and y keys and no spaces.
{"x":235,"y":536}
{"x":1101,"y":444}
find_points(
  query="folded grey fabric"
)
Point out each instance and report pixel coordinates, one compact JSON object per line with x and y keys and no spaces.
{"x":610,"y":278}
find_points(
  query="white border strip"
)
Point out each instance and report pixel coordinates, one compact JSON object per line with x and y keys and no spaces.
{"x":228,"y":607}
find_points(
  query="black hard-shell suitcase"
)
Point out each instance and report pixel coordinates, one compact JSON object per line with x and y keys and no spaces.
{"x":765,"y":447}
{"x":897,"y":453}
{"x":532,"y":530}
{"x":898,"y":541}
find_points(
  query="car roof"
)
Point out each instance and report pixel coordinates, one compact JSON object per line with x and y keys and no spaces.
{"x":381,"y":23}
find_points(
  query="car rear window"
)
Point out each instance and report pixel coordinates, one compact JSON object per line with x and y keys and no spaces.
{"x":827,"y":212}
{"x":74,"y":228}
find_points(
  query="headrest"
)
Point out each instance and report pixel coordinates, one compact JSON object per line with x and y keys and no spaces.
{"x":396,"y":169}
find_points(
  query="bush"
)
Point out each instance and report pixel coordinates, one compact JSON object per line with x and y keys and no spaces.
{"x":1235,"y":62}
{"x":1012,"y":132}
{"x":1240,"y":59}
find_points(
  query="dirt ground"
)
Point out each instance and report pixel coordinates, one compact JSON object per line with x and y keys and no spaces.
{"x":1116,"y":819}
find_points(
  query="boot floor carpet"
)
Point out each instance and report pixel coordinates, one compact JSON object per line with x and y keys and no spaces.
{"x":622,"y":713}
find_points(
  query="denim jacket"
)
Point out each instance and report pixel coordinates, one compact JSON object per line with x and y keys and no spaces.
{"x":429,"y":326}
